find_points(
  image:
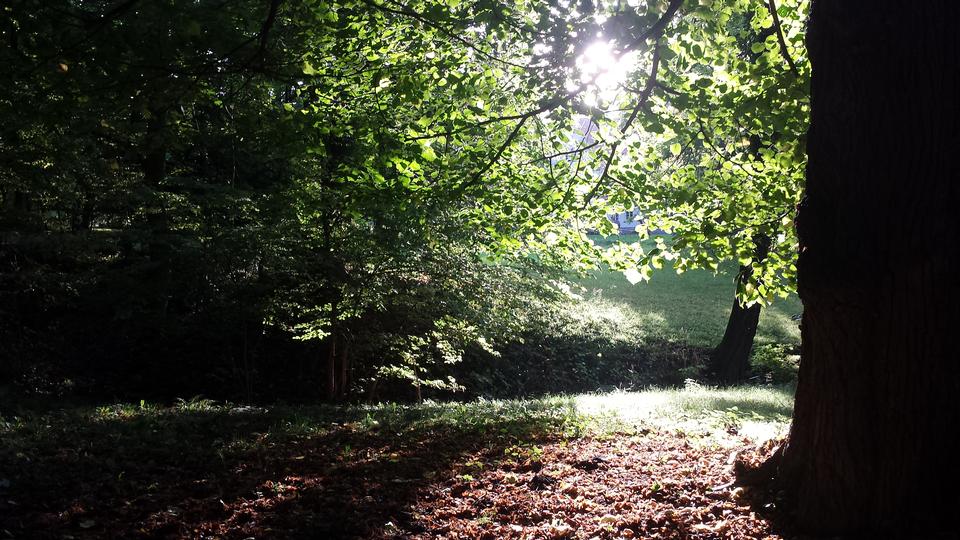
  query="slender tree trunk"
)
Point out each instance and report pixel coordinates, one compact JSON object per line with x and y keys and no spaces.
{"x":730,"y":361}
{"x":343,"y":369}
{"x":330,"y":367}
{"x":877,"y":397}
{"x":155,"y":148}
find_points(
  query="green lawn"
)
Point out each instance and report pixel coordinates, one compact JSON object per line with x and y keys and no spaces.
{"x":690,"y":308}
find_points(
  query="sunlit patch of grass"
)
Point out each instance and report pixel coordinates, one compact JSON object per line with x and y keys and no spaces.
{"x":228,"y":430}
{"x":691,"y":308}
{"x":550,"y":415}
{"x":758,"y":413}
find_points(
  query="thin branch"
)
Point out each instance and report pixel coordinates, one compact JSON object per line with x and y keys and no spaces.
{"x":543,"y":150}
{"x":554,"y":180}
{"x":641,"y":102}
{"x":263,"y":37}
{"x":706,"y":139}
{"x":654,"y":32}
{"x":407,"y":12}
{"x":548,"y":106}
{"x":551,"y":157}
{"x":668,"y":90}
{"x":499,"y":153}
{"x":576,"y":171}
{"x":783,"y":43}
{"x":264,"y":33}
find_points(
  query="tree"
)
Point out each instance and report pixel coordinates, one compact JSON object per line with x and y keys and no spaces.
{"x":714,"y":155}
{"x":222,"y":191}
{"x":744,"y":99}
{"x":879,"y":252}
{"x":286,"y":177}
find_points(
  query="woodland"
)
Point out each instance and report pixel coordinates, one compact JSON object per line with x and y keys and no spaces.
{"x":349,"y":269}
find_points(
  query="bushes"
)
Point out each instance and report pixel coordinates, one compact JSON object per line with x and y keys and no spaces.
{"x":571,"y":346}
{"x":775,"y":363}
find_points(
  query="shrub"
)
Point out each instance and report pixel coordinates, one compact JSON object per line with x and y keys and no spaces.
{"x":775,"y":363}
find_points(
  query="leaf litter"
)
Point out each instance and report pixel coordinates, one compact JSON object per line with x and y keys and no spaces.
{"x":346,"y":482}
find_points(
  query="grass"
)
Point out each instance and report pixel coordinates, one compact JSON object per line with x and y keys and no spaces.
{"x":209,"y":428}
{"x":756,"y":412}
{"x":690,"y":308}
{"x":198,"y":468}
{"x":616,"y":335}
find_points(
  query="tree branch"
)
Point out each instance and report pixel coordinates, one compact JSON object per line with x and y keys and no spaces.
{"x":771,"y":5}
{"x":655,"y":31}
{"x":264,"y":33}
{"x":499,"y":153}
{"x":407,"y":12}
{"x":577,"y":150}
{"x":548,"y":106}
{"x":641,"y":102}
{"x":721,"y":155}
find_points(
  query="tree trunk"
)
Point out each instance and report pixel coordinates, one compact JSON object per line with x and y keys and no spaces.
{"x":330,"y":367}
{"x":343,"y":369}
{"x":336,"y":367}
{"x":730,"y":361}
{"x":155,"y":148}
{"x":878,"y":273}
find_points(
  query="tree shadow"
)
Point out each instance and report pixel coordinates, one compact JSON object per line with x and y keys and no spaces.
{"x":307,"y":472}
{"x":762,"y":407}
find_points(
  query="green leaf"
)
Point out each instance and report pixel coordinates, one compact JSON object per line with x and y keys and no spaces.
{"x":428,"y":153}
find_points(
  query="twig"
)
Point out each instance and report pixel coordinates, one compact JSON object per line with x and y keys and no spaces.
{"x":658,"y":27}
{"x":550,"y":157}
{"x":783,"y":43}
{"x":496,"y":157}
{"x":706,"y":139}
{"x":407,"y":12}
{"x":655,"y":31}
{"x":641,"y":102}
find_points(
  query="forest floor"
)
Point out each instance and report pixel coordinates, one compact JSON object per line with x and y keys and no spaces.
{"x":621,"y":465}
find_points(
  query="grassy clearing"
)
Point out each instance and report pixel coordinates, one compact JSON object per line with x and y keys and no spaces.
{"x":690,"y":308}
{"x":757,"y":413}
{"x":203,"y":469}
{"x":219,"y":430}
{"x":618,"y":335}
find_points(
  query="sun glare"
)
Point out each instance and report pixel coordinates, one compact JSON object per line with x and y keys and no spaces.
{"x":604,"y":71}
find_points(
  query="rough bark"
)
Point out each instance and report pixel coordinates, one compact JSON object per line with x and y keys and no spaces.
{"x":730,"y":361}
{"x":878,"y":273}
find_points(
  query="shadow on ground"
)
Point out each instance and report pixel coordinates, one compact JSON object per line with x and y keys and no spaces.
{"x":203,"y":471}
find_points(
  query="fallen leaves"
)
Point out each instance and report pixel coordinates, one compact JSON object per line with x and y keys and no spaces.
{"x":348,"y":484}
{"x":654,"y":487}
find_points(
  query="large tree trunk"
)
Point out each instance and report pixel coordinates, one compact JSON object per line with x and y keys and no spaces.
{"x":879,"y":264}
{"x":730,"y":361}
